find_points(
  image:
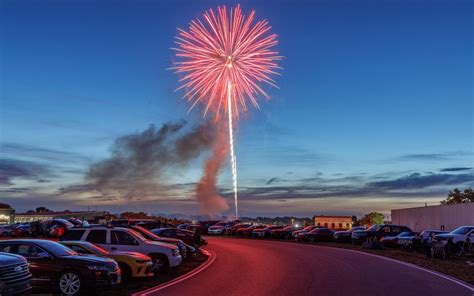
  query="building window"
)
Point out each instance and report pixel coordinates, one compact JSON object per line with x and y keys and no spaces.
{"x":348,"y":225}
{"x":325,"y":225}
{"x":340,"y":225}
{"x":319,"y":224}
{"x":333,"y":225}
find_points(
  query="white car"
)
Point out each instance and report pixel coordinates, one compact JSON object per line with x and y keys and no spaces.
{"x":458,"y":235}
{"x":163,"y":255}
{"x":218,"y":228}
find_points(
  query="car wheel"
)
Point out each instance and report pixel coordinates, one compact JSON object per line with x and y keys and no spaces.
{"x":288,"y":236}
{"x":69,"y":283}
{"x":126,"y":271}
{"x":160,"y":263}
{"x":311,"y":239}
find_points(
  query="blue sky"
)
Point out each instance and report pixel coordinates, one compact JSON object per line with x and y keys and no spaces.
{"x":374,"y":109}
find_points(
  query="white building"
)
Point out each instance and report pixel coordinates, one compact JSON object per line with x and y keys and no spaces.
{"x":442,"y":217}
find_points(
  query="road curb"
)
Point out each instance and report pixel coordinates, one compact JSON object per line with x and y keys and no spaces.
{"x":211,"y":257}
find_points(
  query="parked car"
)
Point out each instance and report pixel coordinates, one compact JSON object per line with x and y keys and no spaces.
{"x":163,"y":255}
{"x":217,"y":228}
{"x":378,"y":231}
{"x":6,"y":230}
{"x":21,"y":230}
{"x":132,"y":264}
{"x":15,"y":276}
{"x":265,"y":232}
{"x":345,"y":236}
{"x":206,"y":224}
{"x":248,"y":231}
{"x":78,"y":222}
{"x":426,"y":237}
{"x":392,"y":241}
{"x":57,"y":268}
{"x":187,"y":236}
{"x":234,"y":228}
{"x":307,"y":229}
{"x":184,"y":249}
{"x":457,"y":237}
{"x":317,"y":235}
{"x":55,"y":227}
{"x":285,"y":232}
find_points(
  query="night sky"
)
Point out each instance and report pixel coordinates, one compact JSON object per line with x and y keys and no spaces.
{"x":374,"y":109}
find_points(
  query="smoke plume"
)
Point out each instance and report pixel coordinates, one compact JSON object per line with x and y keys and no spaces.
{"x":140,"y":161}
{"x":210,"y":202}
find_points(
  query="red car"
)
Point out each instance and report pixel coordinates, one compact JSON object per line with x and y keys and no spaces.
{"x":248,"y":231}
{"x":236,"y":227}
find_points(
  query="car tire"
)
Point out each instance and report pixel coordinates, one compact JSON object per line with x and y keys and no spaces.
{"x":160,"y":263}
{"x":311,"y":239}
{"x":70,"y":283}
{"x":126,"y":271}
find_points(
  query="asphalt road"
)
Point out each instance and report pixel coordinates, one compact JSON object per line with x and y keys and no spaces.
{"x":254,"y":267}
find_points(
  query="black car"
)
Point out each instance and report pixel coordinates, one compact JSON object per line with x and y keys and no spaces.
{"x":317,"y":235}
{"x":378,"y":231}
{"x":57,"y":268}
{"x":189,"y":237}
{"x":15,"y":275}
{"x":345,"y":236}
{"x":54,"y":227}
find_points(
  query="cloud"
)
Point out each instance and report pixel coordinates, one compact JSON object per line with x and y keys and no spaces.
{"x":435,"y":156}
{"x":38,"y":153}
{"x":418,"y":181}
{"x":13,"y":168}
{"x":455,"y":169}
{"x":412,"y":185}
{"x":428,"y":156}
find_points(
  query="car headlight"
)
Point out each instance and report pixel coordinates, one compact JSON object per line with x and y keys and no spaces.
{"x":175,"y":252}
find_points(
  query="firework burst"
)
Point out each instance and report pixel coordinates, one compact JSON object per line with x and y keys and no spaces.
{"x":223,"y":60}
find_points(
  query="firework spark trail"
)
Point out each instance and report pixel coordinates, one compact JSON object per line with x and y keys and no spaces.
{"x":222,"y":59}
{"x":232,"y":153}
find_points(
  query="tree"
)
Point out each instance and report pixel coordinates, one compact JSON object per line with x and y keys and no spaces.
{"x":457,"y":196}
{"x":355,"y":221}
{"x":42,"y":210}
{"x":4,"y":206}
{"x":372,"y":218}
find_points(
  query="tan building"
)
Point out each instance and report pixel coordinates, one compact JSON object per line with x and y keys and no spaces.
{"x":334,"y":222}
{"x":442,"y":217}
{"x":7,"y":216}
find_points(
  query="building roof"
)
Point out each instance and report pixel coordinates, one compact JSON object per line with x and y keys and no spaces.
{"x":327,"y":216}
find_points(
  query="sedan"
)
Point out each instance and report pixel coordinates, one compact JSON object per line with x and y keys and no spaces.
{"x":57,"y":268}
{"x":317,"y":235}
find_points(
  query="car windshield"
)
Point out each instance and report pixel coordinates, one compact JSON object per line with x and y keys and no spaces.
{"x":462,"y":230}
{"x":56,"y":249}
{"x":137,"y":235}
{"x":97,"y":250}
{"x":221,"y":224}
{"x":146,"y":232}
{"x":375,"y":227}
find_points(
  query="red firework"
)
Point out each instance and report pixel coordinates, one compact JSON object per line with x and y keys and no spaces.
{"x":226,"y":55}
